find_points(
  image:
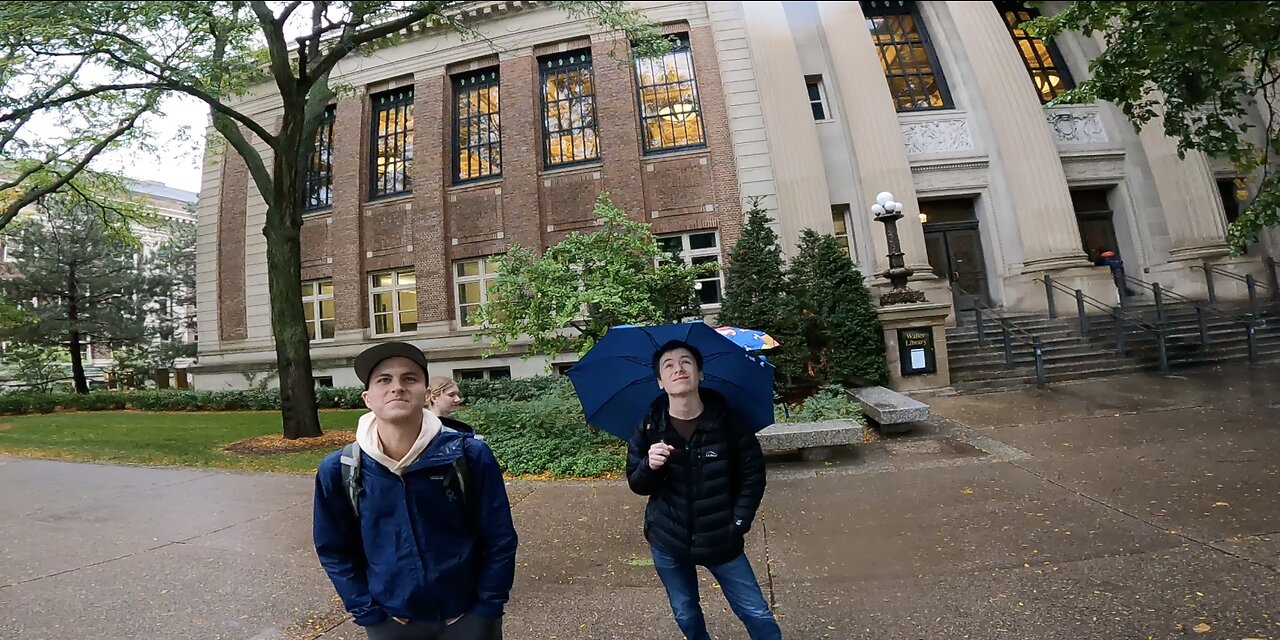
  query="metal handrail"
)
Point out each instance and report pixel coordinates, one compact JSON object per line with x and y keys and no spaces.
{"x":1159,"y":292}
{"x":1248,"y":320}
{"x":1251,"y":284}
{"x":1009,"y":332}
{"x":1121,"y":320}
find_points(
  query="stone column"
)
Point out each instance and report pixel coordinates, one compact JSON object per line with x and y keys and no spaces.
{"x":1037,"y":184}
{"x":874,"y":135}
{"x":1188,"y":195}
{"x":801,"y":179}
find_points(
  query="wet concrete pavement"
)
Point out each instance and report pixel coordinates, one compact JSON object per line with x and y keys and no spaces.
{"x":1136,"y":507}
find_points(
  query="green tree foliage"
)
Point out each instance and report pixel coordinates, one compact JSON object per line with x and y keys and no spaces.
{"x":565,"y":299}
{"x":36,"y":368}
{"x":99,"y":68}
{"x":78,"y":279}
{"x":832,"y":334}
{"x":755,"y":282}
{"x":1207,"y":72}
{"x":170,"y":273}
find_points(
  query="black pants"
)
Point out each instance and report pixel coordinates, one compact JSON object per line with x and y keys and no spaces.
{"x":468,"y":627}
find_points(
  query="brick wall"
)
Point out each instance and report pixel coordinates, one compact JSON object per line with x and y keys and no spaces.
{"x":349,"y":179}
{"x":232,"y":318}
{"x":439,"y":223}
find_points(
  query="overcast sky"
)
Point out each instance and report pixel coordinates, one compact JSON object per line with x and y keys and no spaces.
{"x":177,"y":160}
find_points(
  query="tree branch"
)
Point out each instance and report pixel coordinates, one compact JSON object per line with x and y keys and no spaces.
{"x":277,"y":48}
{"x":252,"y":159}
{"x":46,"y":103}
{"x":11,"y":210}
{"x":350,"y":40}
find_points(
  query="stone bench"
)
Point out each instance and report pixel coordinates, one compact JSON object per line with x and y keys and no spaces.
{"x":814,"y":440}
{"x":888,"y":409}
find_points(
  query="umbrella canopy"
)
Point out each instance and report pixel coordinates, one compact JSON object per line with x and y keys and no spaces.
{"x":616,"y":383}
{"x":749,"y":339}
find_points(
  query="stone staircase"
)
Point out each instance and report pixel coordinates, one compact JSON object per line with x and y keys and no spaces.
{"x":1071,"y":355}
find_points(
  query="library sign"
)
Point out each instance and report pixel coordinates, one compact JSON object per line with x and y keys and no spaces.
{"x":916,"y":351}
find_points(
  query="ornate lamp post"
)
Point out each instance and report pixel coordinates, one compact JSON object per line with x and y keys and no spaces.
{"x":888,"y":212}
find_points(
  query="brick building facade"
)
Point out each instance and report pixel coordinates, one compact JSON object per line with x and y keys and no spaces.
{"x":406,"y":264}
{"x":814,"y":107}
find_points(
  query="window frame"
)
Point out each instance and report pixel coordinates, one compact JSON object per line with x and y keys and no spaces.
{"x":395,"y":312}
{"x":888,"y":8}
{"x":1057,"y":61}
{"x":486,"y":373}
{"x":315,"y":299}
{"x":845,"y":212}
{"x":315,"y":180}
{"x":683,"y":46}
{"x":687,"y":255}
{"x":484,"y":278}
{"x":400,"y":97}
{"x":818,"y":81}
{"x":477,"y":81}
{"x":546,"y":71}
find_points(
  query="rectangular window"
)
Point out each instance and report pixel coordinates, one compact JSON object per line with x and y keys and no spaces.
{"x":1043,"y":60}
{"x":906,"y":55}
{"x":698,"y":248}
{"x":670,"y":114}
{"x":472,"y":279}
{"x":492,"y":373}
{"x":477,"y":132}
{"x":568,"y":109}
{"x":317,"y":309}
{"x":323,"y":381}
{"x":840,"y":223}
{"x":817,"y":98}
{"x":392,"y":154}
{"x":393,"y":299}
{"x":318,"y":187}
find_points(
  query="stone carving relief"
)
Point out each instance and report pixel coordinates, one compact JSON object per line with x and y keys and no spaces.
{"x":936,"y":136}
{"x":1071,"y":126}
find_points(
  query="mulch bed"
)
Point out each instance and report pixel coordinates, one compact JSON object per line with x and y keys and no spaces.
{"x":275,"y":444}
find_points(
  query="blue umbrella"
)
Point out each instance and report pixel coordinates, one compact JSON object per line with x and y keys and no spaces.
{"x":616,"y":384}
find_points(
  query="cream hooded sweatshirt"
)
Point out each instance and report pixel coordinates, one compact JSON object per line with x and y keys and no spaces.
{"x":367,"y":437}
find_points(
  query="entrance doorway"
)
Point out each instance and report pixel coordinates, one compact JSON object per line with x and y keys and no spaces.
{"x":954,"y":244}
{"x":1096,"y":221}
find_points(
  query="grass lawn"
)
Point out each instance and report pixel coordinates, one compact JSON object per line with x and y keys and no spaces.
{"x":157,"y":438}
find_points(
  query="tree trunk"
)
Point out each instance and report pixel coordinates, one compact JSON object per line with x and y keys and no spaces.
{"x":284,"y":268}
{"x":73,"y":337}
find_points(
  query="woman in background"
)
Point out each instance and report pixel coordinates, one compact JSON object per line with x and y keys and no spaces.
{"x":443,"y":398}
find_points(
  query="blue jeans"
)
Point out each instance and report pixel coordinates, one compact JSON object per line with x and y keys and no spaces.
{"x":738,"y":582}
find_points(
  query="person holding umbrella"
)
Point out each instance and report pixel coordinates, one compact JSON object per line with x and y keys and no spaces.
{"x":701,"y":465}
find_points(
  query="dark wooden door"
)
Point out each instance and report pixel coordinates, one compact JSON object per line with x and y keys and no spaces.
{"x":955,"y":253}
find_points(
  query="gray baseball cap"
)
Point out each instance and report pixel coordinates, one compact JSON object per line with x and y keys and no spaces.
{"x":369,"y":359}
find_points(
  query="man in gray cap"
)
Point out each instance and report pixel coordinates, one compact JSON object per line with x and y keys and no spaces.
{"x":412,"y":521}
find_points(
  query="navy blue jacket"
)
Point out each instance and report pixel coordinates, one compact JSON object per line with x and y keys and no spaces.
{"x":415,"y":552}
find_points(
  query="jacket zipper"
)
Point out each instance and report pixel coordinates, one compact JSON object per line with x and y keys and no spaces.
{"x":695,"y":470}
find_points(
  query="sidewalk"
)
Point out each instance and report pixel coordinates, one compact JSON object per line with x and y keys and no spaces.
{"x":1124,"y":508}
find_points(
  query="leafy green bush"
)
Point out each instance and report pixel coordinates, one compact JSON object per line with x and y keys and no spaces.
{"x":545,"y":435}
{"x":93,"y":401}
{"x":830,"y":402}
{"x":517,"y":389}
{"x":17,"y":403}
{"x":339,"y":398}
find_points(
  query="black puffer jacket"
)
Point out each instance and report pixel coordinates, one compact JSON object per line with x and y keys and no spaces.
{"x":703,"y":500}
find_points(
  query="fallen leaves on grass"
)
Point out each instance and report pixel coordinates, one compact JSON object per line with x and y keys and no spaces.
{"x":276,"y":444}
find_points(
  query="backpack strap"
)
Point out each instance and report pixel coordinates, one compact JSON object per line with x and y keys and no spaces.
{"x":350,"y":459}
